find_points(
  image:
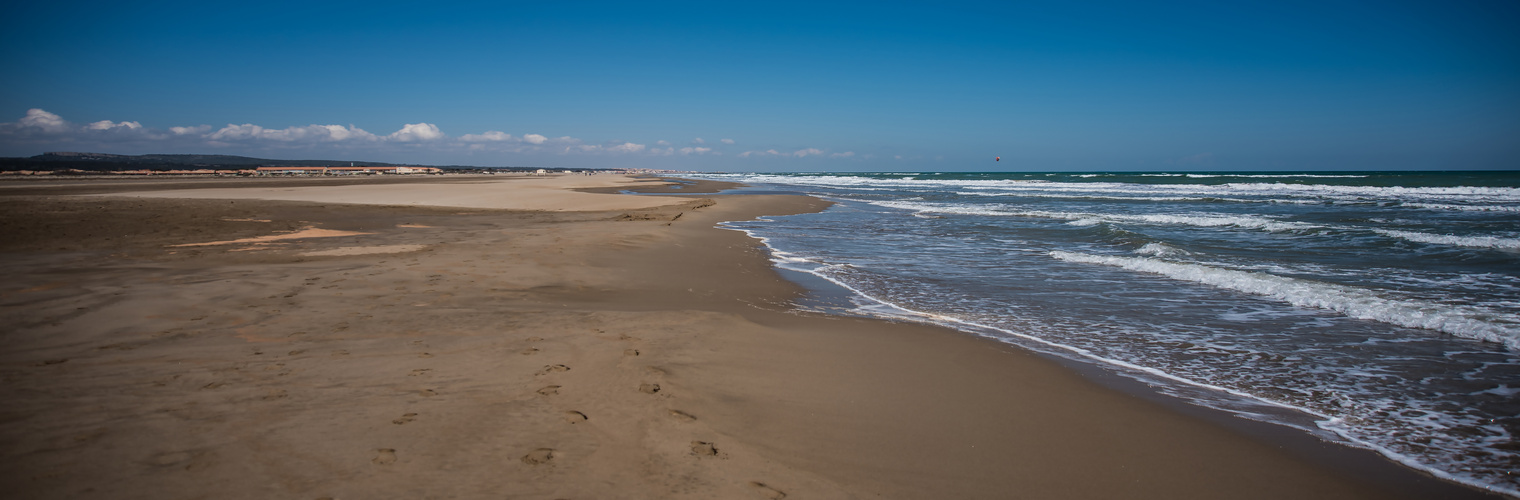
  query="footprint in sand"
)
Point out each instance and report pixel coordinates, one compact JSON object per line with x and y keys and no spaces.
{"x":297,"y":352}
{"x":704,"y":448}
{"x":170,"y":458}
{"x":425,"y":355}
{"x":682,"y":416}
{"x":427,"y":393}
{"x":529,"y":351}
{"x":539,"y":456}
{"x":384,"y":456}
{"x":549,"y":391}
{"x":626,"y":338}
{"x":649,"y":388}
{"x":419,"y":372}
{"x":767,"y":491}
{"x":535,"y":339}
{"x":575,"y":417}
{"x":406,"y":417}
{"x":553,"y":368}
{"x":630,"y":352}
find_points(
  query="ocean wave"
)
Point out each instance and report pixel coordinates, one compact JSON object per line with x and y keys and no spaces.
{"x":1441,"y":198}
{"x":1083,"y":219}
{"x":1086,"y":219}
{"x":1462,"y":321}
{"x":1161,"y":250}
{"x":1260,"y":176}
{"x":1493,"y":242}
{"x":1465,"y":208}
{"x":1275,"y":176}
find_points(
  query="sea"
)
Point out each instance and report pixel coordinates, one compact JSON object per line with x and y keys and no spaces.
{"x":1376,"y":309}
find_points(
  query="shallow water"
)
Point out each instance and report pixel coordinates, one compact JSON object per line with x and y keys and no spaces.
{"x":1382,"y":309}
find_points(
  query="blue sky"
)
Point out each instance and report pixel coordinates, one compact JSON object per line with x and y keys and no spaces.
{"x":775,"y":86}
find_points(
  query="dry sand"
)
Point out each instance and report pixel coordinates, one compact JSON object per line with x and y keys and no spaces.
{"x":514,"y":192}
{"x":631,"y":351}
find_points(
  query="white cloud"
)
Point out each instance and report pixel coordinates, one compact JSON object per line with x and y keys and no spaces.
{"x":768,"y":152}
{"x":488,"y":136}
{"x":41,"y":127}
{"x":245,"y":131}
{"x":417,"y":132}
{"x":421,"y":141}
{"x":309,"y":133}
{"x":801,"y":153}
{"x":43,"y":120}
{"x":109,"y":125}
{"x":626,"y":147}
{"x":339,"y":133}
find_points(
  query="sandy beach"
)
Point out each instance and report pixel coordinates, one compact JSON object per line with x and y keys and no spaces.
{"x":533,"y":337}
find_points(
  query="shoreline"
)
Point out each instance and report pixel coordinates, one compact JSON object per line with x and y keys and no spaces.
{"x":673,"y":332}
{"x":1309,"y":443}
{"x":1301,"y":436}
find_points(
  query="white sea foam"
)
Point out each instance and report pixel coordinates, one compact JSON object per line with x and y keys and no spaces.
{"x":1276,"y":176}
{"x":1465,"y":208}
{"x":1083,"y":219}
{"x":1370,"y":394}
{"x":1161,"y":250}
{"x":1352,"y":420}
{"x":1086,"y":219}
{"x":1465,"y":198}
{"x":1461,"y":241}
{"x":1462,"y":321}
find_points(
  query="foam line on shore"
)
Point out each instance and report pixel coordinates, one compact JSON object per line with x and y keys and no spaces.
{"x":1462,"y":321}
{"x":1322,"y":421}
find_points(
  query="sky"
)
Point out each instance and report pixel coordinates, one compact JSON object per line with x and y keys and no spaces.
{"x":774,"y":86}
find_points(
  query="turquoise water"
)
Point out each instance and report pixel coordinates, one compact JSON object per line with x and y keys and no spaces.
{"x":1380,"y":309}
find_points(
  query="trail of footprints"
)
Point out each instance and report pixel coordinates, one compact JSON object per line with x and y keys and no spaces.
{"x":699,"y":449}
{"x":546,"y":456}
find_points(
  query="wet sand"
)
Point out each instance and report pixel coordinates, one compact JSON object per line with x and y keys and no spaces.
{"x":604,"y":347}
